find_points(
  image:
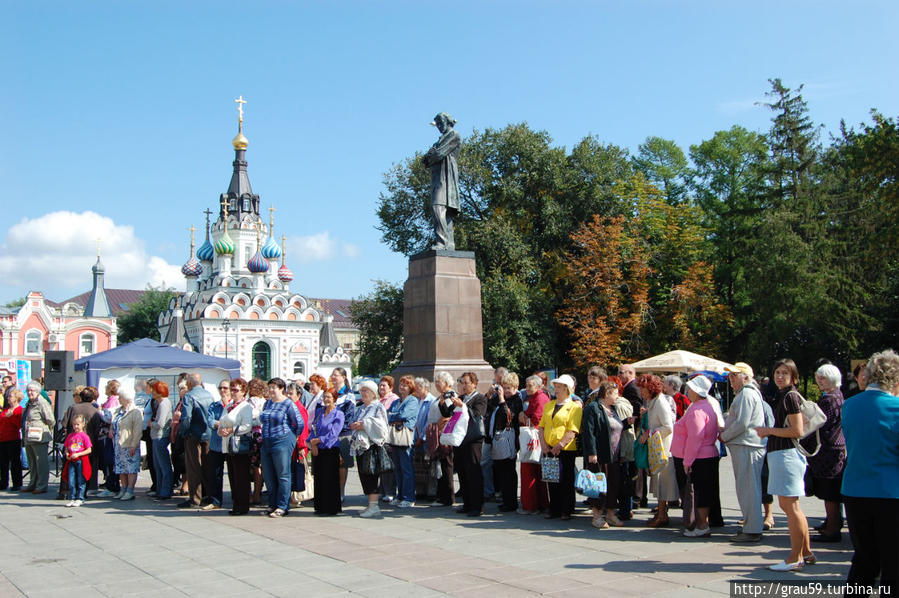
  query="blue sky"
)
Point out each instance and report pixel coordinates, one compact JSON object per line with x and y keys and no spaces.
{"x":118,"y":117}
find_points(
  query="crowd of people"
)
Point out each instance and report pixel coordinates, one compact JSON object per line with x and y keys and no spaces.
{"x":642,"y":435}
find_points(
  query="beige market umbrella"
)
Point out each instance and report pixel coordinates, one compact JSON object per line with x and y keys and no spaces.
{"x":679,"y":361}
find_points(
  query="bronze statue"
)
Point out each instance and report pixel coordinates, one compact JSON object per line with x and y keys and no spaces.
{"x":442,"y":159}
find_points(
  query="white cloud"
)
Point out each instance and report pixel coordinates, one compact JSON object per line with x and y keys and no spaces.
{"x":319,"y":247}
{"x":54,"y":253}
{"x":350,"y":250}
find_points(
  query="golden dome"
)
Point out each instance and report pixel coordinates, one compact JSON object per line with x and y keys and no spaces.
{"x":240,"y":142}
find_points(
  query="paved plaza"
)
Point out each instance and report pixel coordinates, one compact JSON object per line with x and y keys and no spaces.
{"x":141,"y":548}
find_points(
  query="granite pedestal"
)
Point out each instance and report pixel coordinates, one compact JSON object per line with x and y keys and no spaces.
{"x":442,"y":317}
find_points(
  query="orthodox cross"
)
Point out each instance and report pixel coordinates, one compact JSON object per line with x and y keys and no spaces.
{"x":240,"y":102}
{"x":208,"y":213}
{"x":271,"y":220}
{"x":283,"y":248}
{"x":225,"y":206}
{"x":98,"y":247}
{"x":192,"y":229}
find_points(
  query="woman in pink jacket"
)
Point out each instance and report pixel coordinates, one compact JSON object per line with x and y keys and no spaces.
{"x":696,"y":456}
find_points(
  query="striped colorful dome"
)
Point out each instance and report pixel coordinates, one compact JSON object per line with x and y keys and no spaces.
{"x":271,"y":250}
{"x":225,"y":246}
{"x":206,"y":252}
{"x":284,"y":274}
{"x":257,"y":264}
{"x":192,"y":267}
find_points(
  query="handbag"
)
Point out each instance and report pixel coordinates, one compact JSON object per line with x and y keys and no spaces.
{"x":529,"y":445}
{"x":503,"y":444}
{"x":590,"y":484}
{"x":375,"y":460}
{"x":657,"y":455}
{"x":812,"y":420}
{"x":297,"y":476}
{"x":455,"y":430}
{"x":399,"y":435}
{"x":641,"y":455}
{"x":475,"y":430}
{"x":551,"y":469}
{"x":34,"y":433}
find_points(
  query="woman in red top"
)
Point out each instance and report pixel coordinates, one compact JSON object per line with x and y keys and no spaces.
{"x":671,"y":387}
{"x":534,"y":495}
{"x":11,"y":442}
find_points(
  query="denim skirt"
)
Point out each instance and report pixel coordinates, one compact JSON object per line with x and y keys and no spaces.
{"x":786,"y":473}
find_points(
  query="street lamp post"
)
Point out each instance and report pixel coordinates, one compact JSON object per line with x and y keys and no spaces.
{"x":226,"y":325}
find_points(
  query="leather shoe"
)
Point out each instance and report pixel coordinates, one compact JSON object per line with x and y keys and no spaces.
{"x":475,"y":513}
{"x":187,"y":504}
{"x":657,"y":522}
{"x":743,"y":537}
{"x":38,"y":491}
{"x":822,"y":537}
{"x":461,"y":511}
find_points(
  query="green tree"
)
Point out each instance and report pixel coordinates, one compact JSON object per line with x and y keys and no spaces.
{"x":16,"y":302}
{"x":142,"y":317}
{"x":729,"y":184}
{"x":379,"y":317}
{"x":664,"y":164}
{"x":793,"y":313}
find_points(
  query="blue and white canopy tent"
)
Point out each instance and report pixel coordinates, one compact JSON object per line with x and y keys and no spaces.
{"x":145,"y":358}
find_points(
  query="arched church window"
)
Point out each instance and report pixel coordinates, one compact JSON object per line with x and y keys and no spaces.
{"x":299,"y":368}
{"x":262,"y":359}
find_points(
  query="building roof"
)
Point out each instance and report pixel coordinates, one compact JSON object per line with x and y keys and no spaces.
{"x":119,"y":300}
{"x":339,"y":308}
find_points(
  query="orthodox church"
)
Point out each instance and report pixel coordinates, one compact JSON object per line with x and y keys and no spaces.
{"x":238,"y":303}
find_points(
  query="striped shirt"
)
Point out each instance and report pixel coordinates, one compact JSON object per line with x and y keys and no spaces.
{"x":279,"y":419}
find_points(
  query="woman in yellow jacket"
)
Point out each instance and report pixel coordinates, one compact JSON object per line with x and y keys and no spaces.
{"x":559,"y":426}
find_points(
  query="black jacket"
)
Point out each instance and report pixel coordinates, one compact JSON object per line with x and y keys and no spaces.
{"x":595,"y":433}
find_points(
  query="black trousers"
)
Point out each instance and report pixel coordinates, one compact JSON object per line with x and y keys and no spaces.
{"x":446,"y":486}
{"x":612,"y":471}
{"x":148,"y":451}
{"x":239,"y":480}
{"x":467,"y":459}
{"x":627,"y":472}
{"x":873,"y":529}
{"x":505,"y":476}
{"x":326,"y":481}
{"x":11,"y":463}
{"x":561,"y":494}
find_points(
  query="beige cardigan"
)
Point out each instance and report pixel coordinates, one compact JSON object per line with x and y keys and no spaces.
{"x":130,"y":428}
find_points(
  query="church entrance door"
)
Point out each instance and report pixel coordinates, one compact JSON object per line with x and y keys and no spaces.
{"x":262,"y":359}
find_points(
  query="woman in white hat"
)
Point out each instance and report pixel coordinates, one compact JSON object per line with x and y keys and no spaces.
{"x":696,"y":457}
{"x":559,"y":426}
